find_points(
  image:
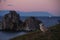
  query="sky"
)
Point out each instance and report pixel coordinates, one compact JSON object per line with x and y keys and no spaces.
{"x":51,"y":6}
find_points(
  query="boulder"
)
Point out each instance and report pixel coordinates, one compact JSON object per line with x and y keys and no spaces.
{"x":43,"y":27}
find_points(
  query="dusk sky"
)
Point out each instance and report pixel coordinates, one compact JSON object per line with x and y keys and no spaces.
{"x":51,"y":6}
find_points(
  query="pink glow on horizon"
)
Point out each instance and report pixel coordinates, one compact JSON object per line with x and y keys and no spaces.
{"x":51,"y":6}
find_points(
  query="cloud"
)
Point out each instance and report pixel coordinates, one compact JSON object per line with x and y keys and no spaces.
{"x":10,"y":4}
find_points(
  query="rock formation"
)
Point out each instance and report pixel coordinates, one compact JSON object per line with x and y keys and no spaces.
{"x":11,"y":21}
{"x":43,"y":28}
{"x":59,"y":21}
{"x":31,"y":24}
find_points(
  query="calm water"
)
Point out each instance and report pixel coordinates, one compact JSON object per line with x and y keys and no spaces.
{"x":7,"y":36}
{"x":48,"y":21}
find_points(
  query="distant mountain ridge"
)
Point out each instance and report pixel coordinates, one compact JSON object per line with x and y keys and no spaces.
{"x":35,"y":14}
{"x":27,"y":13}
{"x":3,"y":12}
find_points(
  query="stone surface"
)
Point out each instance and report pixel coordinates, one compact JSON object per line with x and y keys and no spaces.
{"x":31,"y":24}
{"x":11,"y":21}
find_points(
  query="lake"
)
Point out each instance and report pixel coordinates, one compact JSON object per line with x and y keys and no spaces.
{"x":7,"y":36}
{"x":47,"y":21}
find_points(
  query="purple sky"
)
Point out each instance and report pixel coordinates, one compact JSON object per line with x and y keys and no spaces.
{"x":51,"y":6}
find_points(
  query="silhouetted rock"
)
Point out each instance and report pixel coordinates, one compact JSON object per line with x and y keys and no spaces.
{"x":31,"y":24}
{"x":11,"y":21}
{"x":59,"y":21}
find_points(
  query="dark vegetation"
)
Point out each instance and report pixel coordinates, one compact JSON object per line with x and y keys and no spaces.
{"x":54,"y":34}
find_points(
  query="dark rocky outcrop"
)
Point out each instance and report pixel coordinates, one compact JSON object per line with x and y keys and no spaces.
{"x":59,"y":21}
{"x":11,"y":21}
{"x":31,"y":24}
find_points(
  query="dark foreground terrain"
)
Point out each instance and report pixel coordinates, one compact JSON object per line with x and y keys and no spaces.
{"x":54,"y":34}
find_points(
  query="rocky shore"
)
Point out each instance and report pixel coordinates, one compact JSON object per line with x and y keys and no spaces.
{"x":54,"y":34}
{"x":12,"y":22}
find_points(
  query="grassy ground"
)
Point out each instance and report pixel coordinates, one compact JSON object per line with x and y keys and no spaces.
{"x":54,"y":34}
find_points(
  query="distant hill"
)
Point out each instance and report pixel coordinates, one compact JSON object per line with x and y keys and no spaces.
{"x":35,"y":14}
{"x":3,"y":12}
